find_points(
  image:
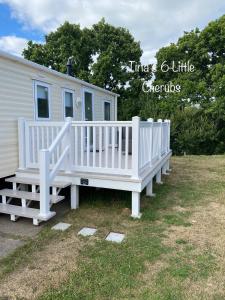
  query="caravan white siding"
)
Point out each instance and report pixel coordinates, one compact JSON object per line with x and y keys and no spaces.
{"x":17,"y":100}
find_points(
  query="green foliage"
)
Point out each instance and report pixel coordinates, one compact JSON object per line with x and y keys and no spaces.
{"x":68,"y":40}
{"x":194,"y":130}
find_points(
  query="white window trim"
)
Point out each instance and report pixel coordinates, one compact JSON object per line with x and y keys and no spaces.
{"x":36,"y":83}
{"x":83,"y":103}
{"x":110,"y":102}
{"x":64,"y":90}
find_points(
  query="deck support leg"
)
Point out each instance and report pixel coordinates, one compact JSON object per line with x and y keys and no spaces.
{"x":74,"y":196}
{"x":149,"y":189}
{"x":168,"y":166}
{"x":164,"y":169}
{"x":13,"y":218}
{"x":158,"y":177}
{"x":24,"y":202}
{"x":35,"y":222}
{"x":136,"y":205}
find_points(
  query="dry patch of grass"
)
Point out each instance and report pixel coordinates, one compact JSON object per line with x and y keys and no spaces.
{"x":207,"y":230}
{"x":49,"y":268}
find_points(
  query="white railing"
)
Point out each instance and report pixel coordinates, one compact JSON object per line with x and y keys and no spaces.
{"x":114,"y":147}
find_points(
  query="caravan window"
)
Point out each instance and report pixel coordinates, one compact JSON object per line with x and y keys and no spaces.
{"x":107,"y":110}
{"x":42,"y":100}
{"x":68,"y":103}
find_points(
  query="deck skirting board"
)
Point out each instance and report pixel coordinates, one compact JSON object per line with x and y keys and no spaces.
{"x":125,"y":183}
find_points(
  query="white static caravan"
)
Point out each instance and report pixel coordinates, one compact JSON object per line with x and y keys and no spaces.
{"x":37,"y":93}
{"x":58,"y":131}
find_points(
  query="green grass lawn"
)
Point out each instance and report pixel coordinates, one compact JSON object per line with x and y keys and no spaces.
{"x":175,"y":251}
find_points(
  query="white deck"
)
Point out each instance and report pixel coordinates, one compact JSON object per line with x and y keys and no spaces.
{"x":115,"y":155}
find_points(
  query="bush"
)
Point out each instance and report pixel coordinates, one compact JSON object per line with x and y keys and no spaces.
{"x":193,"y":132}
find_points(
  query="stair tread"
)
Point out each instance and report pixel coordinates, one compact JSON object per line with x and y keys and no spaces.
{"x":20,"y":211}
{"x":26,"y":180}
{"x":28,"y":195}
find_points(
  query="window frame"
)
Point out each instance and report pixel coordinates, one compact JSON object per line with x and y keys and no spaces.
{"x":64,"y":91}
{"x":46,"y":85}
{"x":110,"y":103}
{"x":83,"y":103}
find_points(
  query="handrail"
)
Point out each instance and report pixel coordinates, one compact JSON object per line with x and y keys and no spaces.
{"x":47,"y":176}
{"x":58,"y":164}
{"x":59,"y":137}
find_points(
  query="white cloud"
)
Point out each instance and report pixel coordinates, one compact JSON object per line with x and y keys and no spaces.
{"x":153,"y":22}
{"x":13,"y":44}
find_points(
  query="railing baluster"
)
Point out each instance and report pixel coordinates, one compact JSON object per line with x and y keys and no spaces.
{"x":42,"y":138}
{"x":113,"y":147}
{"x":126,"y":147}
{"x":47,"y":136}
{"x":52,"y":139}
{"x":38,"y":143}
{"x":94,"y":146}
{"x":107,"y":147}
{"x":82,"y":145}
{"x":100,"y":146}
{"x":33,"y":144}
{"x":120,"y":148}
{"x":59,"y":148}
{"x":76,"y":145}
{"x":88,"y":146}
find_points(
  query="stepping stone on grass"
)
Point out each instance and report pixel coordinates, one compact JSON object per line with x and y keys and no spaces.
{"x":87,"y":231}
{"x":61,"y":226}
{"x":115,"y":237}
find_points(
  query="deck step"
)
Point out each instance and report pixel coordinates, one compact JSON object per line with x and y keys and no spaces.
{"x":26,"y":180}
{"x":28,"y":195}
{"x":26,"y":212}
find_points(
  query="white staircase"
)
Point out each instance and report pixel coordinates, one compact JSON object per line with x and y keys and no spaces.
{"x":20,"y":190}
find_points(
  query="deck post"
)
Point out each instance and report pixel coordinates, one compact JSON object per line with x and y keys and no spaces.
{"x":160,"y":138}
{"x":158,"y":177}
{"x":22,"y":143}
{"x":168,"y":166}
{"x":135,"y":146}
{"x":164,"y":169}
{"x":150,"y":120}
{"x":68,"y":142}
{"x":44,"y":183}
{"x":136,"y":205}
{"x":74,"y":201}
{"x":149,"y":189}
{"x":168,"y":142}
{"x":168,"y":135}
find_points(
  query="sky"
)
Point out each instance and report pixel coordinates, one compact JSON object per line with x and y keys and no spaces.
{"x":155,"y":23}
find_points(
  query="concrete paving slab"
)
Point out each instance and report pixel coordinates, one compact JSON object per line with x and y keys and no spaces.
{"x":87,"y":231}
{"x":115,"y":237}
{"x":8,"y":245}
{"x":61,"y":226}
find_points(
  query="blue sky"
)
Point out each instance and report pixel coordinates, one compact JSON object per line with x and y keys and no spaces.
{"x":11,"y":26}
{"x":155,"y":23}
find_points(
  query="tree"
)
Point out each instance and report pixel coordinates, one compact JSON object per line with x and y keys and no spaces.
{"x":68,"y":40}
{"x":202,"y":129}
